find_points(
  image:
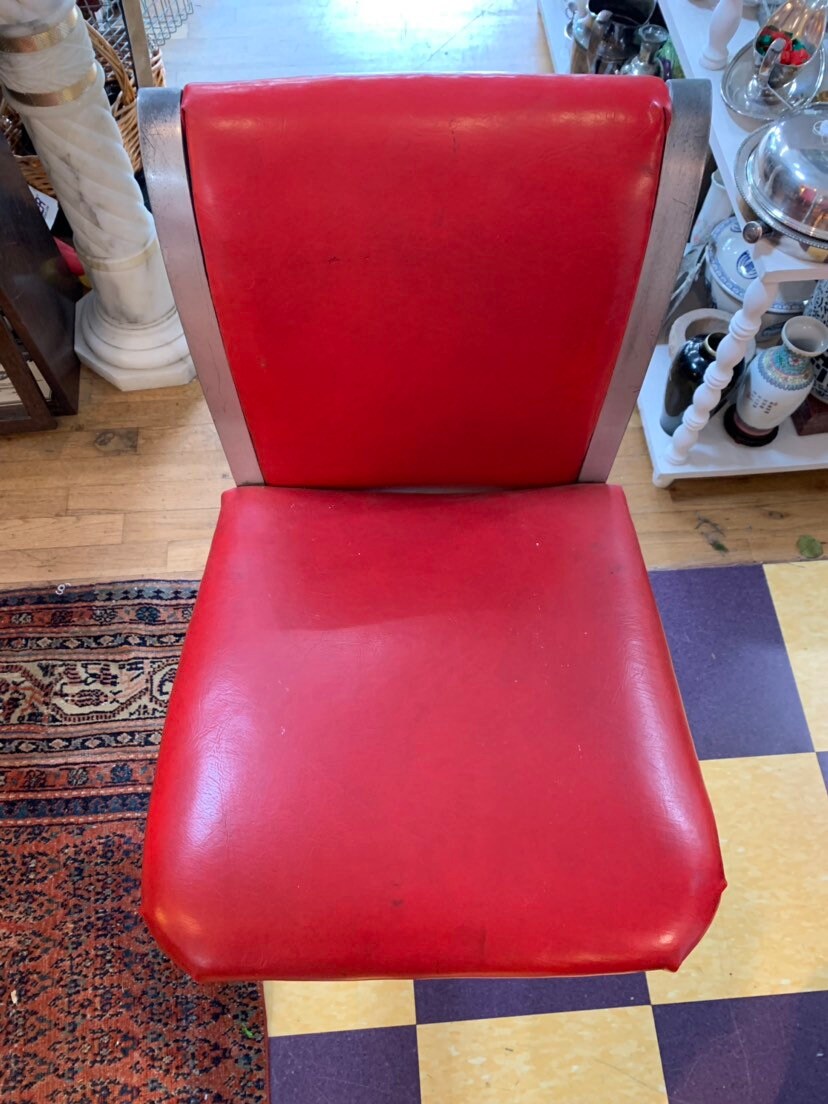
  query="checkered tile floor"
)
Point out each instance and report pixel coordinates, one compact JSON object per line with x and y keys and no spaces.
{"x":745,"y":1021}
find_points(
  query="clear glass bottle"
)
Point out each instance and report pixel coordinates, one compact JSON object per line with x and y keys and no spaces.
{"x":650,"y":40}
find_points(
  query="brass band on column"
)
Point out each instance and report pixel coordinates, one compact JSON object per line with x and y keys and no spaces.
{"x":60,"y":96}
{"x":41,"y":40}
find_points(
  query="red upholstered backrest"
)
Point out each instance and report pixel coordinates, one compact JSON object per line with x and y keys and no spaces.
{"x":424,"y":280}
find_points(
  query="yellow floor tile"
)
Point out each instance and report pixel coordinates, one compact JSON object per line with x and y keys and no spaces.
{"x":605,"y":1057}
{"x":800,"y":595}
{"x":300,"y":1007}
{"x":771,"y":931}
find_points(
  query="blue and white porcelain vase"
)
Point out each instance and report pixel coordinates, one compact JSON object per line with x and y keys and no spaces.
{"x":776,"y":382}
{"x":818,"y":308}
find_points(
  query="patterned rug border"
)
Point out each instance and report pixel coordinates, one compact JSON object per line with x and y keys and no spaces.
{"x":84,"y":684}
{"x":106,"y":584}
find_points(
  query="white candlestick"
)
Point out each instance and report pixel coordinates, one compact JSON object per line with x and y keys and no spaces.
{"x":127,"y":330}
{"x":744,"y":325}
{"x":723,"y":24}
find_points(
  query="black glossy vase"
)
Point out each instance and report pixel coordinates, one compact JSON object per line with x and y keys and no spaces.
{"x":687,"y":372}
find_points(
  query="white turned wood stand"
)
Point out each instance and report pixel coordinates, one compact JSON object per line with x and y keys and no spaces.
{"x":700,"y":447}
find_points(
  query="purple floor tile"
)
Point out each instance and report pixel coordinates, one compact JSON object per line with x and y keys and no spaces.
{"x":823,"y":762}
{"x":479,"y":999}
{"x":755,"y":1050}
{"x":346,"y":1067}
{"x":735,"y":677}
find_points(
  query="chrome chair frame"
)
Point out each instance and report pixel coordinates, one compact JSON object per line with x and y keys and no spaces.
{"x":165,"y":166}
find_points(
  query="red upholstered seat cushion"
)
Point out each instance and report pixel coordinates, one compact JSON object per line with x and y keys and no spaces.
{"x":423,"y":735}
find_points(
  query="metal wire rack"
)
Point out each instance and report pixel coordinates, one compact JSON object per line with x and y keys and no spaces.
{"x":161,"y":19}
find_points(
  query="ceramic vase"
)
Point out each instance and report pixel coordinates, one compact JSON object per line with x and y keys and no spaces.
{"x":818,"y":308}
{"x":776,"y":383}
{"x":687,"y":372}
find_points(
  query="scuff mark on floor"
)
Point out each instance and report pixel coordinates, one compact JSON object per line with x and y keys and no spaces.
{"x":712,"y":533}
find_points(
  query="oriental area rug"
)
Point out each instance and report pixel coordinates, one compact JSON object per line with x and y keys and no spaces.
{"x":91,"y":1012}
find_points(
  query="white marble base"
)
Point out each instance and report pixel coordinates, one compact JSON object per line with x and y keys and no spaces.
{"x":132,"y":357}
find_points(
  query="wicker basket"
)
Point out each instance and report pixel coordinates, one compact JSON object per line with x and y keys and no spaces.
{"x":124,"y":110}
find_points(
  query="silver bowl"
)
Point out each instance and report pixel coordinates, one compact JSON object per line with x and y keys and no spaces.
{"x":745,"y":95}
{"x":782,"y":173}
{"x":780,"y":74}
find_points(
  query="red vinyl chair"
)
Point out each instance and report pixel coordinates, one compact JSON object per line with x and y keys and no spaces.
{"x":436,"y":732}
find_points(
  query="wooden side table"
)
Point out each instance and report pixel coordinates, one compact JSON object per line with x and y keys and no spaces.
{"x":37,"y":312}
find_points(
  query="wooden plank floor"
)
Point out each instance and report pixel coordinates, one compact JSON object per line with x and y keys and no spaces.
{"x":130,"y":488}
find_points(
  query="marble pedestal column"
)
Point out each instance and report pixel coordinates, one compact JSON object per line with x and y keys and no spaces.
{"x":128,"y":330}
